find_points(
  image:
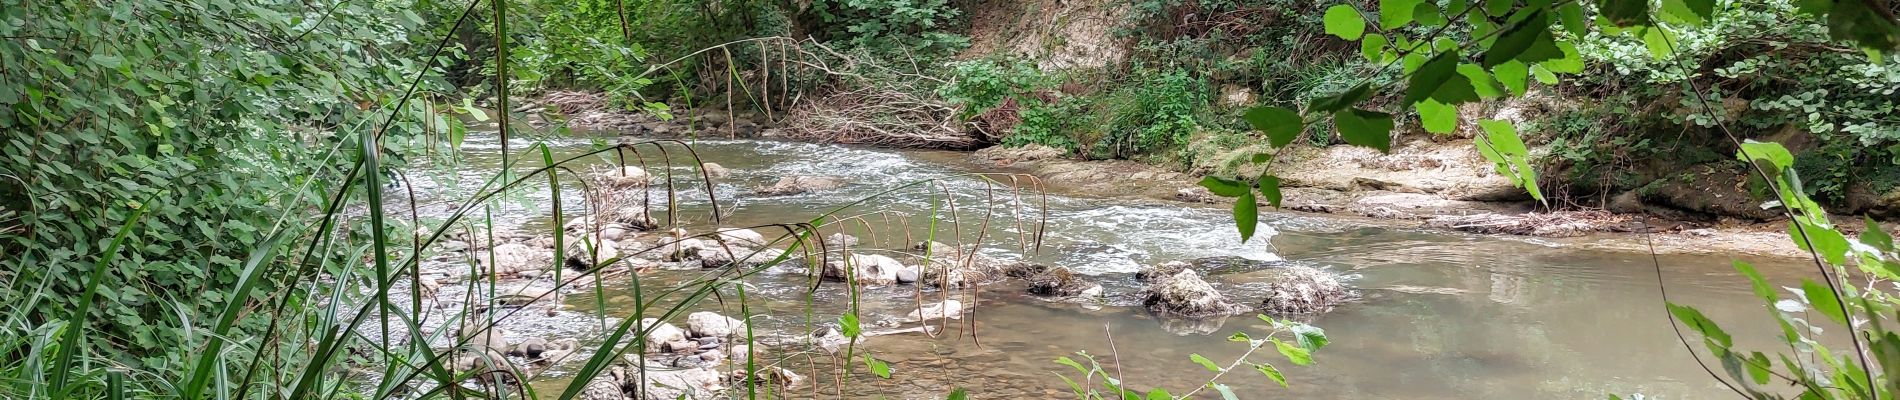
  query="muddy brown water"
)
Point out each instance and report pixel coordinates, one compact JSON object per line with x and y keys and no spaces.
{"x":1440,"y":315}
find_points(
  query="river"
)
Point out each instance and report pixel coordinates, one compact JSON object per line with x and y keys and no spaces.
{"x":1440,"y":315}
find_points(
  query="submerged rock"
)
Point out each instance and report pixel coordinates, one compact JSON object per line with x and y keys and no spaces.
{"x":480,"y":337}
{"x":864,"y":269}
{"x":661,"y":333}
{"x":628,"y":177}
{"x":584,"y":253}
{"x":1184,"y":294}
{"x":1060,"y":282}
{"x":791,"y":185}
{"x":740,"y":237}
{"x":1301,"y":289}
{"x":1161,"y":271}
{"x":1023,"y":270}
{"x":947,"y":309}
{"x":711,"y":324}
{"x":776,"y":377}
{"x":656,"y":383}
{"x":510,"y":259}
{"x":715,"y":170}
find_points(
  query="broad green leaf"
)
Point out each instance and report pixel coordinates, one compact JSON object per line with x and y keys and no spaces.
{"x":1528,"y":40}
{"x":1296,"y":354}
{"x":1239,"y":337}
{"x":1498,"y":7}
{"x":1543,"y":75}
{"x":1624,"y":13}
{"x":958,"y":394}
{"x":1262,"y":158}
{"x":1427,"y":14}
{"x":1659,"y":41}
{"x":1829,"y":243}
{"x":468,"y":106}
{"x":1570,"y":63}
{"x":849,"y":324}
{"x":1692,"y":318}
{"x":1271,"y":373}
{"x":1344,"y":21}
{"x":1514,"y":75}
{"x":1439,"y":79}
{"x":1226,"y":393}
{"x":1571,"y":13}
{"x":1204,"y":362}
{"x":878,"y":367}
{"x":1875,"y":236}
{"x":1437,"y":117}
{"x":1246,"y":215}
{"x":1270,"y":187}
{"x":1280,"y":124}
{"x":1224,"y":187}
{"x":1864,"y":23}
{"x":1310,"y":337}
{"x":1692,"y":12}
{"x":1159,"y":394}
{"x":1759,"y":368}
{"x":1373,"y":48}
{"x":1339,"y":101}
{"x":1501,"y":145}
{"x":1822,"y":298}
{"x":1396,"y":13}
{"x":1481,"y":82}
{"x":1778,"y":157}
{"x":1365,"y":128}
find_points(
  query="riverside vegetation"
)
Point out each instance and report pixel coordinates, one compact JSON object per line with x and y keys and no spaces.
{"x":209,"y":199}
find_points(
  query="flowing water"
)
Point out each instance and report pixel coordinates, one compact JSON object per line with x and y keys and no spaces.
{"x":1440,"y":316}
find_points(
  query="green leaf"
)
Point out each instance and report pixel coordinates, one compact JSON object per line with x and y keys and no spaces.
{"x":1239,"y":337}
{"x":1570,"y":63}
{"x":1226,"y":393}
{"x":1439,"y":79}
{"x":1692,"y":12}
{"x":1246,"y":215}
{"x":1297,"y":355}
{"x":1543,"y":75}
{"x":1828,"y":242}
{"x":1571,"y":13}
{"x":1270,"y":187}
{"x":469,"y":107}
{"x":1373,"y":48}
{"x":1778,"y":157}
{"x":1339,"y":101}
{"x":849,"y":324}
{"x":1437,"y":117}
{"x":1624,"y":13}
{"x":1159,"y":394}
{"x":1365,"y":128}
{"x":1865,"y":23}
{"x":1310,"y":337}
{"x":1204,"y":362}
{"x":1528,"y":40}
{"x":1344,"y":21}
{"x":1427,"y":14}
{"x":1224,"y":187}
{"x":878,"y":367}
{"x":1658,"y":41}
{"x":1501,"y":145}
{"x":1693,"y":319}
{"x":1758,"y":368}
{"x":1271,"y":373}
{"x":1396,"y":13}
{"x":1823,"y":300}
{"x":1481,"y":82}
{"x":1514,"y":75}
{"x":958,"y":394}
{"x":1071,"y":363}
{"x":1280,"y":124}
{"x":1875,"y":236}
